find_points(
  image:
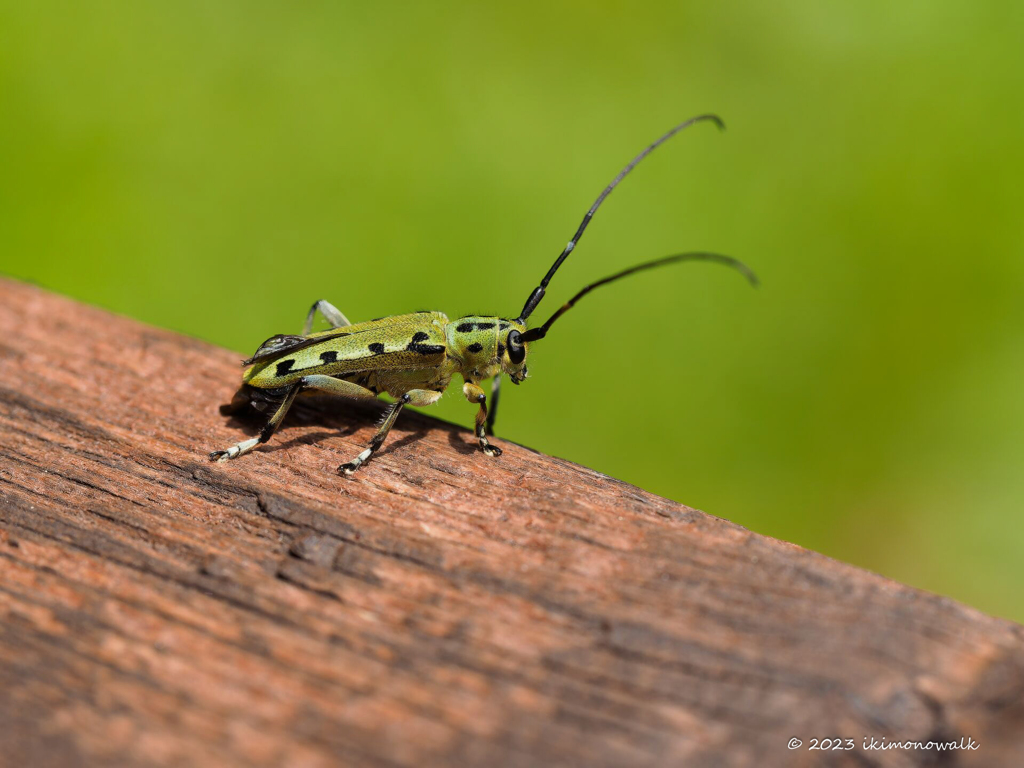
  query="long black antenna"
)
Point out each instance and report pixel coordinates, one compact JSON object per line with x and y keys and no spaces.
{"x":538,"y":292}
{"x":541,"y":331}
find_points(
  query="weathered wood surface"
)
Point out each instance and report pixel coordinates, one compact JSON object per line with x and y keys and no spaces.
{"x":441,"y":608}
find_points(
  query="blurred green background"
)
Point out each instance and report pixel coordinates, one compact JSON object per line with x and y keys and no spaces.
{"x":215,"y":167}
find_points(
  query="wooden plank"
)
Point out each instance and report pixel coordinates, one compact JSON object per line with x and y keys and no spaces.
{"x":441,"y":608}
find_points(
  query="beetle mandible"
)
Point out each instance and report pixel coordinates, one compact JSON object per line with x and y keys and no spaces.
{"x":413,"y":357}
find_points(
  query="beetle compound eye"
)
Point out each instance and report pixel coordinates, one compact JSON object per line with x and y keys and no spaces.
{"x":516,"y":350}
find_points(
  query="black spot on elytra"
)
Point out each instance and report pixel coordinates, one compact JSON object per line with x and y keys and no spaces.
{"x":329,"y":357}
{"x":377,"y":348}
{"x":475,"y":347}
{"x":283,"y":367}
{"x":420,"y":336}
{"x":464,"y":327}
{"x":484,"y":326}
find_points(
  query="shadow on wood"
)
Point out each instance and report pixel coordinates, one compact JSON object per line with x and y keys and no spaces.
{"x":441,"y":608}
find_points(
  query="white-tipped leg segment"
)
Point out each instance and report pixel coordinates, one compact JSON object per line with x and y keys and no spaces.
{"x":236,"y":450}
{"x":349,"y":468}
{"x":330,"y":313}
{"x":475,"y":394}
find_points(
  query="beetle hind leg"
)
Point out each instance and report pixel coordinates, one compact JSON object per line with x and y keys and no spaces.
{"x":242,"y":448}
{"x":330,"y":313}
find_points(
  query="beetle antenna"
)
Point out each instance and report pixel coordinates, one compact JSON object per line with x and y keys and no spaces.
{"x":541,"y":331}
{"x":538,"y":292}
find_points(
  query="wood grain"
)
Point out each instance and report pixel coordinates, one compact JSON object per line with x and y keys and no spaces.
{"x":442,"y":608}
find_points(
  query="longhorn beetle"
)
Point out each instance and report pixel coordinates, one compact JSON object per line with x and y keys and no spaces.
{"x":413,"y":357}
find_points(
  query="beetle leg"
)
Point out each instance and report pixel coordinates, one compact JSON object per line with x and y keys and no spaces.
{"x":240,"y":449}
{"x":321,"y":383}
{"x":492,"y":414}
{"x":343,"y":388}
{"x":475,"y":394}
{"x":417,"y":397}
{"x":331,"y":314}
{"x":349,"y":467}
{"x":333,"y":386}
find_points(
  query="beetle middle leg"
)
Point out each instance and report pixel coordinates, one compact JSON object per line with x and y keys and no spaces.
{"x":475,"y":394}
{"x":330,"y":312}
{"x":417,"y":397}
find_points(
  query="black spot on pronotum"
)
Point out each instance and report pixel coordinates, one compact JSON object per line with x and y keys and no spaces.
{"x":283,"y":367}
{"x":464,"y":327}
{"x":420,"y":336}
{"x":377,"y":348}
{"x":484,"y":326}
{"x":475,"y":347}
{"x":329,"y":357}
{"x":501,"y":350}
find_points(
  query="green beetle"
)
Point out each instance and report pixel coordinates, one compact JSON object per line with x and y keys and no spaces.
{"x":413,"y":357}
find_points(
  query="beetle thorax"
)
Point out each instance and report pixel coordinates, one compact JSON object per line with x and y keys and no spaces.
{"x":478,"y":347}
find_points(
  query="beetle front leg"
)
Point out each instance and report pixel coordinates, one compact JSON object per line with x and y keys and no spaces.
{"x":475,"y":394}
